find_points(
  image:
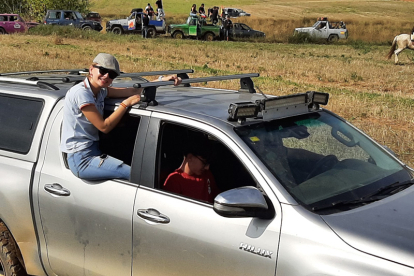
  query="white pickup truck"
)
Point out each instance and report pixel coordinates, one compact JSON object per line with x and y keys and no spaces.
{"x":332,"y":31}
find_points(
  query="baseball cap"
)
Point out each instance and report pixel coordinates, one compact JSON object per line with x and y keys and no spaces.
{"x":107,"y":61}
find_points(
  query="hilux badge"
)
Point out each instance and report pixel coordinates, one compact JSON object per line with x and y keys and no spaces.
{"x":258,"y":251}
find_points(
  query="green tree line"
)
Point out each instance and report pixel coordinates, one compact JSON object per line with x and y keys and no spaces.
{"x":36,"y":9}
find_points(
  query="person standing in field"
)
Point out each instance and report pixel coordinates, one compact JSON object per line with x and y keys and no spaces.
{"x":227,"y":25}
{"x":145,"y":23}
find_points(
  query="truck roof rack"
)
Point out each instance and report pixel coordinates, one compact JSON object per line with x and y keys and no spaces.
{"x":70,"y":71}
{"x":40,"y":84}
{"x":75,"y":74}
{"x":150,"y":88}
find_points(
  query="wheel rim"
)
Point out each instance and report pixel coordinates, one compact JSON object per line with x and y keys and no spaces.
{"x":2,"y":32}
{"x":209,"y":37}
{"x":178,"y":36}
{"x":116,"y":31}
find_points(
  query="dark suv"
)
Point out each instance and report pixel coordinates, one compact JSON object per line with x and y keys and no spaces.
{"x":70,"y":18}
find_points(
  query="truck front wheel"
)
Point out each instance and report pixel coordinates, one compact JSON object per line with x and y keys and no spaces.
{"x":151,"y":32}
{"x":333,"y":38}
{"x":178,"y":35}
{"x":117,"y":30}
{"x":208,"y":37}
{"x":10,"y":257}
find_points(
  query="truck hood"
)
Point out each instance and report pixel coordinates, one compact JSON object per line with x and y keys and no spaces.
{"x":384,"y":228}
{"x":119,"y":21}
{"x":178,"y":25}
{"x":307,"y":29}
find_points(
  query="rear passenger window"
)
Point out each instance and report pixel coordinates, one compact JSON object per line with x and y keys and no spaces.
{"x":226,"y":169}
{"x":119,"y":142}
{"x":18,"y":120}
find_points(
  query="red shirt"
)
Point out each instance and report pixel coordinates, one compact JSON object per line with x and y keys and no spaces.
{"x":198,"y":187}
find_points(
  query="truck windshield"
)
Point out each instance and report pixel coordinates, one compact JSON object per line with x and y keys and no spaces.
{"x":321,"y":159}
{"x":78,"y":15}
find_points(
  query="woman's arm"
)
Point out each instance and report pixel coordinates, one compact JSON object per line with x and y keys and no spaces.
{"x":105,"y":126}
{"x":119,"y":92}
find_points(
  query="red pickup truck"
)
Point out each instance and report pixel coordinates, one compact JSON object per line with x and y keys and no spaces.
{"x":13,"y":23}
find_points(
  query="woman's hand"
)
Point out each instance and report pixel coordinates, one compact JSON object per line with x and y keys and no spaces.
{"x":177,"y":80}
{"x":132,"y":100}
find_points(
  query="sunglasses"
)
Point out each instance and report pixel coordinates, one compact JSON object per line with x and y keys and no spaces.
{"x":103,"y":71}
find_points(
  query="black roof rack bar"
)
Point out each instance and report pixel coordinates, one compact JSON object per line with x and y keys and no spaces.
{"x":196,"y":80}
{"x":77,"y":71}
{"x":155,"y":73}
{"x":40,"y":84}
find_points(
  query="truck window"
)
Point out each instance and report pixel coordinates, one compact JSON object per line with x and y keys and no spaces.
{"x":54,"y":15}
{"x":226,"y":168}
{"x":119,"y":143}
{"x":18,"y":120}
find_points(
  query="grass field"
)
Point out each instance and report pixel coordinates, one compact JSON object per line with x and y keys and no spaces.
{"x":372,"y":21}
{"x":366,"y":88}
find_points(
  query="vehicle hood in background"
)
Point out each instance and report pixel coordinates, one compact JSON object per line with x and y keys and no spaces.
{"x":307,"y":29}
{"x":384,"y":228}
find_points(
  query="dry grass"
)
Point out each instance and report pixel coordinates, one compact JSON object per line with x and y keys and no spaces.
{"x":365,"y":88}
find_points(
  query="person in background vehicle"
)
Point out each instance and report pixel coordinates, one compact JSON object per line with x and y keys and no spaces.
{"x":193,"y":11}
{"x":193,"y":178}
{"x":149,"y":10}
{"x":214,"y":15}
{"x":145,"y":23}
{"x":201,"y":10}
{"x":83,"y":119}
{"x":160,"y":10}
{"x":227,"y":24}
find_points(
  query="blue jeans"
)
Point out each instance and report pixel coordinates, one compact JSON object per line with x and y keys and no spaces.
{"x":89,"y":164}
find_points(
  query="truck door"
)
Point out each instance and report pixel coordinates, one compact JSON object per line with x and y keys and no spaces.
{"x":86,"y":226}
{"x":179,"y":235}
{"x":192,"y":27}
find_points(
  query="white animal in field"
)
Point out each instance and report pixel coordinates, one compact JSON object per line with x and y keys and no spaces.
{"x":400,"y":42}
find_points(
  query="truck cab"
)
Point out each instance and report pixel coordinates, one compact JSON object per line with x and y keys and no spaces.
{"x":195,"y":27}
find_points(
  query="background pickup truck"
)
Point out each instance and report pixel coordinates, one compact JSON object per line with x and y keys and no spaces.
{"x":71,"y":18}
{"x":195,"y":27}
{"x":133,"y":25}
{"x":332,"y":31}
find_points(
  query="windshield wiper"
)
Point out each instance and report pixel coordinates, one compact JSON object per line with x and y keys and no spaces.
{"x":391,"y":189}
{"x":375,"y":196}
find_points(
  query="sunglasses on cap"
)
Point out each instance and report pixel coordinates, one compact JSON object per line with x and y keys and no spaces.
{"x":103,"y":71}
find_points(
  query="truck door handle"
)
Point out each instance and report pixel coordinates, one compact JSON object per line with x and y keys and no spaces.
{"x":57,"y":189}
{"x":153,"y":215}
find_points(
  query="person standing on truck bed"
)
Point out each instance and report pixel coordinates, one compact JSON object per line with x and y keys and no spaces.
{"x":83,"y":119}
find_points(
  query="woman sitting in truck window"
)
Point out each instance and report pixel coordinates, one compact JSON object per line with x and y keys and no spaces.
{"x":83,"y":119}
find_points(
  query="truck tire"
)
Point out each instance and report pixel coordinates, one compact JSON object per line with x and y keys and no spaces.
{"x":117,"y":30}
{"x":87,"y":28}
{"x":333,"y":38}
{"x":209,"y":37}
{"x":10,"y":257}
{"x":178,"y":35}
{"x":151,"y":32}
{"x":2,"y":31}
